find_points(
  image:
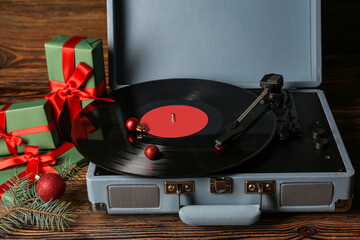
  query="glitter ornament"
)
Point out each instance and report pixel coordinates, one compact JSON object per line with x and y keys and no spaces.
{"x":51,"y":186}
{"x":151,"y":151}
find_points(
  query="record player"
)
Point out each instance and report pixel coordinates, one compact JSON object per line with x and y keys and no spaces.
{"x":232,"y":143}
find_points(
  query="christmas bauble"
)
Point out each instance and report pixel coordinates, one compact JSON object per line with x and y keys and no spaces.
{"x":151,"y":151}
{"x":131,"y":124}
{"x":51,"y":186}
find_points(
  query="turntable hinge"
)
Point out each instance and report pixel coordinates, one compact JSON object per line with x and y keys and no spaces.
{"x":220,"y":185}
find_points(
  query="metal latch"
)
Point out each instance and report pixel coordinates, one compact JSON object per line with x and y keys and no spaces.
{"x":179,"y":188}
{"x":260,"y":187}
{"x":268,"y":187}
{"x":220,"y":185}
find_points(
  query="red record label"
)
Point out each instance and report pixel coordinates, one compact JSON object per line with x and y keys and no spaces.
{"x":174,"y":121}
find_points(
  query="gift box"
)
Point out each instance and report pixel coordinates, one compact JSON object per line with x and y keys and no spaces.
{"x":27,"y":123}
{"x":65,"y":152}
{"x":85,"y":50}
{"x":76,"y":77}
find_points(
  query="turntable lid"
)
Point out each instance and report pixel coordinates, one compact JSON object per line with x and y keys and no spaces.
{"x":233,"y":41}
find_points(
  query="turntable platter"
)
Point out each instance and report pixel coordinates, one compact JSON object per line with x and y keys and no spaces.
{"x":184,"y":117}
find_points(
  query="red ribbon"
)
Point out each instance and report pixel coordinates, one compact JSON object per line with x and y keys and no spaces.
{"x":36,"y":164}
{"x":11,"y":139}
{"x":97,"y":91}
{"x":70,"y":90}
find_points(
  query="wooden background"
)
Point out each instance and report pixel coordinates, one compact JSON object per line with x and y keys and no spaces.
{"x":26,"y":25}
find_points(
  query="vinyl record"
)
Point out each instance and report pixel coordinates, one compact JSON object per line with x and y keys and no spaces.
{"x":184,"y":117}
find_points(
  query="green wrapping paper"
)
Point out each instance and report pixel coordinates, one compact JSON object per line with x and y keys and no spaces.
{"x":88,"y":51}
{"x":71,"y":155}
{"x":30,"y":116}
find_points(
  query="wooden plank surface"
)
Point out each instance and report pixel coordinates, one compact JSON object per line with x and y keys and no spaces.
{"x":26,"y":25}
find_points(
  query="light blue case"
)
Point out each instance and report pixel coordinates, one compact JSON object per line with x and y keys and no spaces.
{"x":232,"y":41}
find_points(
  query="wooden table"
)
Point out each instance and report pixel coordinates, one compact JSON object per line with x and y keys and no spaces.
{"x":27,"y":25}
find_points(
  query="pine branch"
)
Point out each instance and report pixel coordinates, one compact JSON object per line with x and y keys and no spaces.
{"x":70,"y":173}
{"x":47,"y":215}
{"x":16,"y":189}
{"x":24,"y":205}
{"x":43,"y":212}
{"x":10,"y":219}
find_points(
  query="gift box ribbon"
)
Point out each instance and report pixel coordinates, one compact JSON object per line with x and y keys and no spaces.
{"x":70,"y":90}
{"x":11,"y":139}
{"x":36,"y":164}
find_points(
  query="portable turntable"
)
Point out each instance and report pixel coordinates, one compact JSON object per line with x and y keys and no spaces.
{"x":230,"y":147}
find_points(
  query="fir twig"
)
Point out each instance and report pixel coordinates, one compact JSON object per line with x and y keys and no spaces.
{"x":16,"y":188}
{"x":42,"y":212}
{"x":47,"y":215}
{"x":23,"y":204}
{"x":70,"y":170}
{"x":10,"y":219}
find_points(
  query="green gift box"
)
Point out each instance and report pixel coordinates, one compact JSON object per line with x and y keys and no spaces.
{"x":71,"y":155}
{"x":88,"y":51}
{"x":30,"y":121}
{"x":64,"y":54}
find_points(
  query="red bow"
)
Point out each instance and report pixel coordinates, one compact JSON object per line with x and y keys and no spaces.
{"x":10,"y":140}
{"x":70,"y":91}
{"x":73,"y":79}
{"x":35,"y":164}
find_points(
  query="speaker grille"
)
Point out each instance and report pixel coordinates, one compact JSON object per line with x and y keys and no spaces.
{"x":134,"y":196}
{"x":306,"y":194}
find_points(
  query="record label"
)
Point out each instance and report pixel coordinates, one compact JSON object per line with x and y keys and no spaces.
{"x":174,"y":121}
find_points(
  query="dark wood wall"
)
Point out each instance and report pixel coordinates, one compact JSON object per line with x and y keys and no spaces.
{"x":341,"y":42}
{"x":26,"y":25}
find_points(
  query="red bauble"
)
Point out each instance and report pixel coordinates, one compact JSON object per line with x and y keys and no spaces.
{"x":51,"y":186}
{"x":131,"y":124}
{"x":151,"y":151}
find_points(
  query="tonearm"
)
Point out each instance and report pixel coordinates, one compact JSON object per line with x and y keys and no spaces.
{"x":278,"y":100}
